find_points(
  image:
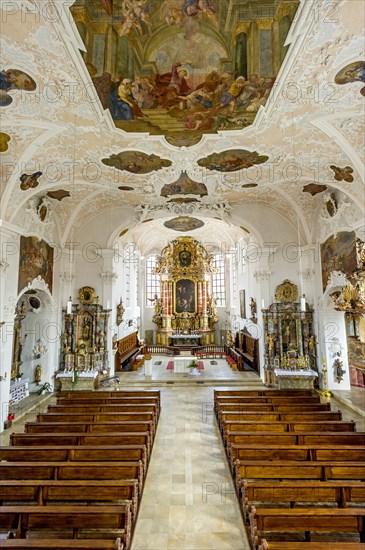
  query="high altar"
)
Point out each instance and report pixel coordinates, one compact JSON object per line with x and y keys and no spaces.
{"x":185,"y":312}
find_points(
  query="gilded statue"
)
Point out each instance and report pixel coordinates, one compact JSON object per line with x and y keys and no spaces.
{"x":270,"y":342}
{"x":38,"y":374}
{"x":312,"y":343}
{"x":86,"y":329}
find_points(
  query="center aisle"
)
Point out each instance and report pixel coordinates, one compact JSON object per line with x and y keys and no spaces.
{"x":188,"y":501}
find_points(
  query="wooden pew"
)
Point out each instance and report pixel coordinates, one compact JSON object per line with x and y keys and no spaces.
{"x":224,"y":415}
{"x":95,"y":409}
{"x":77,"y":521}
{"x":63,"y":544}
{"x":333,"y":492}
{"x":282,"y":545}
{"x":99,"y":417}
{"x":85,"y":427}
{"x":72,"y":471}
{"x":298,"y":470}
{"x":295,"y":452}
{"x":91,"y":439}
{"x":290,"y":438}
{"x":62,"y":453}
{"x":223,"y":393}
{"x":334,"y":520}
{"x":228,"y":427}
{"x":44,"y":492}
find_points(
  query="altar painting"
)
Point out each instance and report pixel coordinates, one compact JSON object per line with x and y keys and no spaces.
{"x":185,"y":296}
{"x":35,"y":259}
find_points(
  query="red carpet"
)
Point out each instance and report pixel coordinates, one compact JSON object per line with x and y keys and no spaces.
{"x":170,"y":365}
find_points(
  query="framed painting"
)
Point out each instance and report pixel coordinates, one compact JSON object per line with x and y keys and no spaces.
{"x":243,"y":304}
{"x":185,"y":296}
{"x":35,"y":259}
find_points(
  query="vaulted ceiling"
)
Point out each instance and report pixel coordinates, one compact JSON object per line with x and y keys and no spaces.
{"x":309,"y":131}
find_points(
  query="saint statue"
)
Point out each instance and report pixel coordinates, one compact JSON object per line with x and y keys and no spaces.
{"x":86,"y":329}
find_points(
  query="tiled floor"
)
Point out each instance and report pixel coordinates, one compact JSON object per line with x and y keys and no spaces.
{"x":189,"y":501}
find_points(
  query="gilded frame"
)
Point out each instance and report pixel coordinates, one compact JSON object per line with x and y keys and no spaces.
{"x":190,"y":292}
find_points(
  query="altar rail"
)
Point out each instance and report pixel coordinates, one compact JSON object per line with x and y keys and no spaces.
{"x":160,"y":350}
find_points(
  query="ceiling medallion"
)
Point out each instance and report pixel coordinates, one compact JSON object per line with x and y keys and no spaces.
{"x":343,"y":174}
{"x":314,"y":188}
{"x":136,"y":162}
{"x":184,"y":186}
{"x":232,"y":160}
{"x":184,"y":223}
{"x":354,"y":72}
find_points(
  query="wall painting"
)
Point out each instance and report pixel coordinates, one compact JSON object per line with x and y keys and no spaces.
{"x":35,"y":259}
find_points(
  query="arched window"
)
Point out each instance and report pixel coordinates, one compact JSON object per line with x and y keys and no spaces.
{"x":219,"y":280}
{"x":152,"y":280}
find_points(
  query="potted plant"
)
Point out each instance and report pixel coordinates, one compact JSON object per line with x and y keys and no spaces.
{"x":193,"y":365}
{"x":45,"y":388}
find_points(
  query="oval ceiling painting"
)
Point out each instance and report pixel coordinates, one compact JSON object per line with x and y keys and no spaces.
{"x":184,"y":223}
{"x":183,"y":68}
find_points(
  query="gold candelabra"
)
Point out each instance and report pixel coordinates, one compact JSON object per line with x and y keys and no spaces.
{"x":325,"y":393}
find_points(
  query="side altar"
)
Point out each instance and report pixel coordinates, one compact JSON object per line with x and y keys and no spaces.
{"x":186,"y":308}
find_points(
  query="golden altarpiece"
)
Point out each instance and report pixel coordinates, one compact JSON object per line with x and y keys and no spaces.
{"x":185,"y":313}
{"x":84,"y":335}
{"x":289,"y":337}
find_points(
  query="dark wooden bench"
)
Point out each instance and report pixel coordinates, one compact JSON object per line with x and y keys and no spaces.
{"x":296,"y":452}
{"x":72,"y":471}
{"x":290,"y":438}
{"x":89,"y":427}
{"x":44,"y":492}
{"x":224,"y":415}
{"x":228,"y":427}
{"x":282,"y":545}
{"x":73,"y":521}
{"x":98,"y":417}
{"x":289,"y":493}
{"x":291,"y":469}
{"x":333,"y":520}
{"x":62,"y":453}
{"x":62,"y":544}
{"x":76,"y":439}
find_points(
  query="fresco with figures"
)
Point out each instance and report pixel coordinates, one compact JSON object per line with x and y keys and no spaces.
{"x":183,"y":68}
{"x":35,"y":259}
{"x":338,"y":253}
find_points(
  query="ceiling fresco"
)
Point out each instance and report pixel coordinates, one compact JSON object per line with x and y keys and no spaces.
{"x":183,"y":68}
{"x":136,"y":162}
{"x":184,"y":223}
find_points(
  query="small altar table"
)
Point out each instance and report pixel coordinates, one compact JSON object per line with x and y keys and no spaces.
{"x":295,"y":379}
{"x":85,"y":380}
{"x":185,"y":339}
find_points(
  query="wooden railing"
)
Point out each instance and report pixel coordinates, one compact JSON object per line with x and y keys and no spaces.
{"x":160,"y":350}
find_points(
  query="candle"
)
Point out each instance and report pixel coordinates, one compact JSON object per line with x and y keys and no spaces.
{"x":263,"y":304}
{"x":302,"y":303}
{"x":108,"y":304}
{"x":69,"y":306}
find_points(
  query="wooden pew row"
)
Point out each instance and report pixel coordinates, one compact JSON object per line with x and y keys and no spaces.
{"x":285,"y":492}
{"x":76,"y":439}
{"x":283,"y":545}
{"x":307,"y":520}
{"x":118,"y":453}
{"x":99,"y":417}
{"x":94,"y":408}
{"x":228,"y":428}
{"x":290,"y":438}
{"x":277,"y":399}
{"x":269,"y":407}
{"x":62,"y":544}
{"x":291,"y":469}
{"x":85,"y":427}
{"x":110,"y":393}
{"x":229,"y":393}
{"x":355,"y":453}
{"x":71,"y":522}
{"x":124,"y":404}
{"x":44,"y":492}
{"x":73,"y":471}
{"x":278,"y":417}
